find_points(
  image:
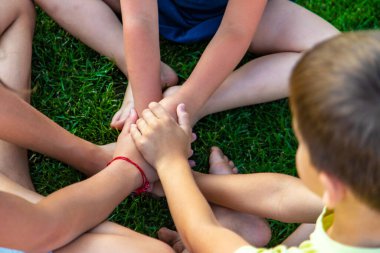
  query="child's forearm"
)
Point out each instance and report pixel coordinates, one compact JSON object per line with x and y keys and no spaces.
{"x":141,"y":44}
{"x":270,"y":195}
{"x":191,"y":212}
{"x":82,"y":206}
{"x":26,"y":127}
{"x":64,"y":215}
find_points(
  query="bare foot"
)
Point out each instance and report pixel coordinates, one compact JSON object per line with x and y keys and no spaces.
{"x":168,"y":76}
{"x":220,"y":164}
{"x":172,"y":238}
{"x":122,"y":114}
{"x":171,"y":90}
{"x":253,"y":229}
{"x":168,"y":79}
{"x":197,"y":115}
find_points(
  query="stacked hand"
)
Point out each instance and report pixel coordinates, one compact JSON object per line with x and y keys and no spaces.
{"x":159,"y":137}
{"x":125,"y":147}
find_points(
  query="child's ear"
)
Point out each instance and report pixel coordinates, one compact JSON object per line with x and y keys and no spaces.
{"x":333,"y":190}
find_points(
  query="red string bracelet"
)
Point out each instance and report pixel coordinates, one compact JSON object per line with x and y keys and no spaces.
{"x":145,"y":183}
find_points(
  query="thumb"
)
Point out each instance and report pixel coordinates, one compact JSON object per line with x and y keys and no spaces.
{"x":183,"y":119}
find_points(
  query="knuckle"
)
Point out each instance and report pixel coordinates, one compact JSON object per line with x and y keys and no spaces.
{"x":145,"y":112}
{"x":154,"y":124}
{"x":166,"y":119}
{"x":143,"y":141}
{"x":153,"y":105}
{"x":139,"y":122}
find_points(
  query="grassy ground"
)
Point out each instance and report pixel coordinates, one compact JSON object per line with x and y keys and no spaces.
{"x":81,"y":90}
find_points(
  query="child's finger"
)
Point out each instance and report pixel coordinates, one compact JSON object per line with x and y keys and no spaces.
{"x":135,"y":133}
{"x":183,"y":119}
{"x":149,"y":117}
{"x":142,"y":125}
{"x":158,"y":110}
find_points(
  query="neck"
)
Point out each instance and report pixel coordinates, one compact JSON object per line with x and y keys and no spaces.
{"x":355,"y":224}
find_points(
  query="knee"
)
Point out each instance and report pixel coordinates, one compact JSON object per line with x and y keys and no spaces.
{"x":48,"y":6}
{"x":57,"y":9}
{"x":26,"y":8}
{"x":27,"y":12}
{"x":263,"y":234}
{"x":318,"y":37}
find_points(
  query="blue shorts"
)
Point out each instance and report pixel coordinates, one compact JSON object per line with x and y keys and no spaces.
{"x":188,"y":21}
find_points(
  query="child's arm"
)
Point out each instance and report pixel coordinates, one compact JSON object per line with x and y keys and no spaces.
{"x":141,"y":44}
{"x":269,"y":195}
{"x":165,"y":145}
{"x":221,"y":56}
{"x":26,"y":127}
{"x":64,"y":215}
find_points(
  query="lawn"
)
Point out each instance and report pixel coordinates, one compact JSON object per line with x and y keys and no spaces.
{"x":81,"y":90}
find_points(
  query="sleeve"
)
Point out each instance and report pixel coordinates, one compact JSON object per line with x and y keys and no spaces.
{"x":278,"y":249}
{"x":246,"y":249}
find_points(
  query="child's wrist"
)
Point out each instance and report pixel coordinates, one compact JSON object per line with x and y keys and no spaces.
{"x":184,"y":94}
{"x":170,"y":163}
{"x":131,"y":172}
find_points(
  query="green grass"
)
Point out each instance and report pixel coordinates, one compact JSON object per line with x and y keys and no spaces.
{"x":81,"y":90}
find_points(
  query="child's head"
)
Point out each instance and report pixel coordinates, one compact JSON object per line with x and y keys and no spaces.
{"x":335,"y":100}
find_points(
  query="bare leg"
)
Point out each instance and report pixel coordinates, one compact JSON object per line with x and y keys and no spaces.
{"x":286,"y":30}
{"x":16,"y":31}
{"x":7,"y":185}
{"x":253,"y":229}
{"x":91,"y":21}
{"x":301,"y":234}
{"x":110,"y":237}
{"x":96,"y":24}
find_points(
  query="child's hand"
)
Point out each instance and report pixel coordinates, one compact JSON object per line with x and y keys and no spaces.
{"x":125,"y":146}
{"x":158,"y":136}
